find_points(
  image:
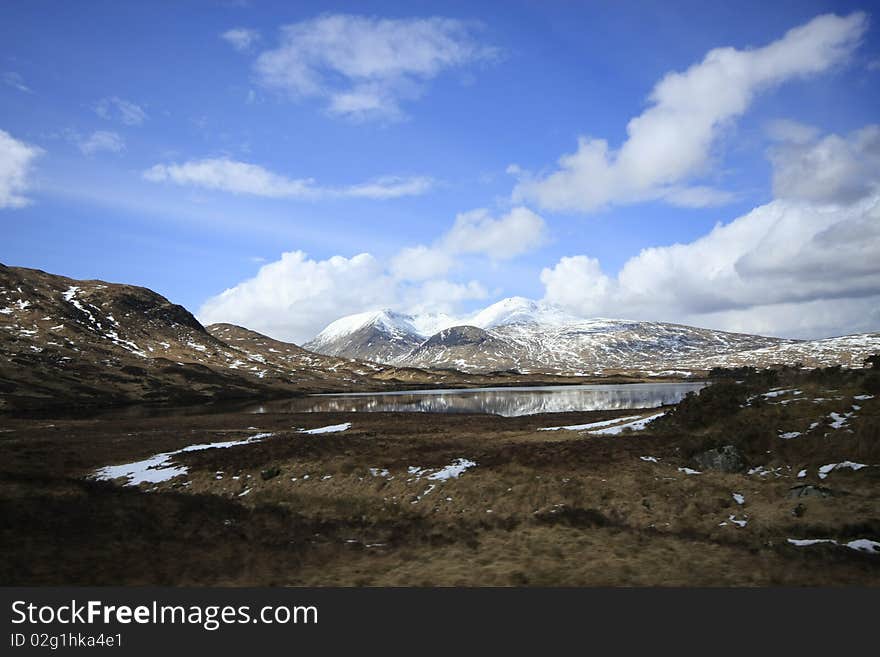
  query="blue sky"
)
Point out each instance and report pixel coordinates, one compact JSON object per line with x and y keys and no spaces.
{"x":157,"y":151}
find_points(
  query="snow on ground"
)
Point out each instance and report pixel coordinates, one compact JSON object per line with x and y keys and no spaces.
{"x":581,"y":427}
{"x":806,"y":542}
{"x":738,"y":523}
{"x":649,"y":459}
{"x":863,"y":397}
{"x":638,"y":425}
{"x":689,"y":471}
{"x":763,"y":471}
{"x":778,"y":393}
{"x":739,"y":498}
{"x":864,"y":545}
{"x":153,"y":470}
{"x":159,"y":467}
{"x":788,"y":435}
{"x":859,"y":544}
{"x":825,"y":470}
{"x":838,"y":421}
{"x":453,"y":470}
{"x":333,"y":428}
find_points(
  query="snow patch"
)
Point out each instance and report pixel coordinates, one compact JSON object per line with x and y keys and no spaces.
{"x":638,"y":425}
{"x":581,"y":427}
{"x":859,"y":544}
{"x":333,"y":428}
{"x":825,"y":470}
{"x":453,"y":470}
{"x":159,"y":467}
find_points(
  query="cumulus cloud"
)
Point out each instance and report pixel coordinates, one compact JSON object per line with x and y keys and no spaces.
{"x":760,"y":272}
{"x":237,"y":177}
{"x":295,"y":297}
{"x":241,"y":38}
{"x":671,"y":142}
{"x":577,"y":283}
{"x":510,"y":235}
{"x":834,"y":168}
{"x":474,"y":232}
{"x":100,"y":140}
{"x":417,"y":263}
{"x":16,"y":161}
{"x":119,"y":109}
{"x":364,"y":67}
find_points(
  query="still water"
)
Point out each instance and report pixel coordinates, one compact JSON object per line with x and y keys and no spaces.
{"x":508,"y":402}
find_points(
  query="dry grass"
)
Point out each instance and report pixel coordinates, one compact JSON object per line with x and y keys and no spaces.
{"x":539,"y":508}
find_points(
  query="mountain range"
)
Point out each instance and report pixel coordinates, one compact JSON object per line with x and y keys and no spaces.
{"x":533,"y":337}
{"x":66,"y":342}
{"x":91,"y":343}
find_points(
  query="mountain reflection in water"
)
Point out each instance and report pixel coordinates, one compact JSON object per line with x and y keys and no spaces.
{"x":507,"y":402}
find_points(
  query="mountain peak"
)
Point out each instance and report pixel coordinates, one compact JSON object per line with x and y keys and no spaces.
{"x":520,"y":310}
{"x":384,"y":319}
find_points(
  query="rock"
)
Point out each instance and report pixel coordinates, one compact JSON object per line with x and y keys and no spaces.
{"x":269,"y":473}
{"x":808,"y":490}
{"x":726,"y":458}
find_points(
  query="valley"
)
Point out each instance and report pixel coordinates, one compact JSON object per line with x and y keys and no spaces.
{"x":770,"y":481}
{"x":138,"y":447}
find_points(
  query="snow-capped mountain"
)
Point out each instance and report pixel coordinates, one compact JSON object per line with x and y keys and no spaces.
{"x":382,"y":336}
{"x":530,"y":336}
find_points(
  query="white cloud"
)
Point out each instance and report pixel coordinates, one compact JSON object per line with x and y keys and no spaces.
{"x":241,"y":38}
{"x":474,"y":232}
{"x":672,"y":140}
{"x":513,"y":234}
{"x":16,"y":161}
{"x":577,"y":282}
{"x":14,"y":80}
{"x":834,"y":168}
{"x":243,"y":178}
{"x":760,"y":272}
{"x":295,"y":297}
{"x":101,"y":140}
{"x":119,"y":109}
{"x":362,"y":66}
{"x":417,"y":263}
{"x":390,"y":187}
{"x":232,"y":176}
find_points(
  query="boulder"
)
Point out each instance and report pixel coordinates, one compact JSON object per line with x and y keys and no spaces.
{"x":270,"y":473}
{"x":808,"y":490}
{"x":726,"y":458}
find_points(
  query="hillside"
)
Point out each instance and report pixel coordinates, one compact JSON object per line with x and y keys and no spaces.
{"x":66,"y":342}
{"x":531,"y":337}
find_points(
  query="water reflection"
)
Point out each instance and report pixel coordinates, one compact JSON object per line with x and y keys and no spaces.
{"x":508,"y":402}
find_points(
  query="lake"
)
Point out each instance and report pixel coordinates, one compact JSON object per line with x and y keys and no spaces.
{"x":508,"y":402}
